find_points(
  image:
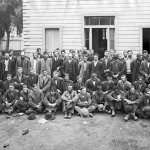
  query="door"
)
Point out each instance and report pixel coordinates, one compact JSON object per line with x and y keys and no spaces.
{"x":52,"y":39}
{"x":146,"y":39}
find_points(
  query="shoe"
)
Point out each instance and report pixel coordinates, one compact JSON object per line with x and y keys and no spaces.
{"x":91,"y":115}
{"x":113,"y":113}
{"x":109,"y":112}
{"x":65,"y":116}
{"x":135,"y":117}
{"x":69,"y":116}
{"x":126,"y":118}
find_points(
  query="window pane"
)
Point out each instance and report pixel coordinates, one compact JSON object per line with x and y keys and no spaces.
{"x":107,"y":21}
{"x":86,"y":37}
{"x":87,"y":20}
{"x":94,"y":21}
{"x":112,"y":38}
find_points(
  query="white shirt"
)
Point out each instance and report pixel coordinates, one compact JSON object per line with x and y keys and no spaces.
{"x":6,"y":65}
{"x":10,"y":58}
{"x":85,"y":66}
{"x":95,"y":63}
{"x":94,"y":83}
{"x":34,"y":65}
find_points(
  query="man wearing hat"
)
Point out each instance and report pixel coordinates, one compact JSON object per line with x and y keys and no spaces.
{"x":77,"y":86}
{"x":44,"y":81}
{"x":66,"y":81}
{"x":32,"y":78}
{"x":84,"y":101}
{"x":45,"y":62}
{"x":10,"y":98}
{"x":51,"y":101}
{"x":115,"y":99}
{"x":35,"y":100}
{"x":99,"y":99}
{"x":7,"y":82}
{"x":91,"y":84}
{"x":23,"y":103}
{"x":20,"y":79}
{"x":69,"y":99}
{"x":39,"y":55}
{"x":145,"y":55}
{"x":131,"y":101}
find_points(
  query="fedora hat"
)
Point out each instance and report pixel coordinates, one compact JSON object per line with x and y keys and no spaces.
{"x":129,"y":108}
{"x":31,"y":117}
{"x":20,"y":104}
{"x":49,"y":116}
{"x":84,"y":112}
{"x":118,"y":105}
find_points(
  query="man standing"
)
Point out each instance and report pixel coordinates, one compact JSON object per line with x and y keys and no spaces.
{"x":45,"y":62}
{"x":24,"y":63}
{"x":1,"y":58}
{"x":39,"y":55}
{"x":84,"y":69}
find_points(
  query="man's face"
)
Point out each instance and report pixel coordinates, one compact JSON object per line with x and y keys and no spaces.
{"x":25,"y":89}
{"x":9,"y":78}
{"x":20,"y":71}
{"x":10,"y":53}
{"x":95,"y":58}
{"x":80,"y":54}
{"x":11,"y":88}
{"x":109,"y":79}
{"x":22,"y":54}
{"x":106,"y":54}
{"x":45,"y":55}
{"x":56,"y":54}
{"x":85,"y":59}
{"x":63,"y":54}
{"x":35,"y":56}
{"x":140,"y":57}
{"x":66,"y":78}
{"x":32,"y":72}
{"x":73,"y":54}
{"x":125,"y":54}
{"x":117,"y":91}
{"x":69,"y":88}
{"x":123,"y":79}
{"x":83,"y":91}
{"x":129,"y":54}
{"x":6,"y":56}
{"x":140,"y":81}
{"x":55,"y":76}
{"x":80,"y":80}
{"x":70,"y":56}
{"x":94,"y":78}
{"x":132,"y":90}
{"x":45,"y":73}
{"x":145,"y":54}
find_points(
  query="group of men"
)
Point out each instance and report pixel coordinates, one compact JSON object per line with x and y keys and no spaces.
{"x":79,"y":83}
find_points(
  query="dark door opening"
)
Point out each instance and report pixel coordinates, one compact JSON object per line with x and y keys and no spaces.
{"x":99,"y":41}
{"x":146,"y":39}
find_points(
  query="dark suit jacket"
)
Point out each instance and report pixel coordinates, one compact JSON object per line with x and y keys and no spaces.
{"x":96,"y":69}
{"x":77,"y":86}
{"x":32,"y":79}
{"x":138,"y":88}
{"x":14,"y":60}
{"x":107,"y":87}
{"x":1,"y":86}
{"x":58,"y":85}
{"x":6,"y":85}
{"x":65,"y":84}
{"x":90,"y":87}
{"x":56,"y":63}
{"x":144,"y":68}
{"x":25,"y":96}
{"x":127,"y":86}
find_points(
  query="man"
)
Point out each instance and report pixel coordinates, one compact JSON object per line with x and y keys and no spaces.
{"x":13,"y":59}
{"x":77,"y":86}
{"x":99,"y":99}
{"x":145,"y":69}
{"x":39,"y":55}
{"x":10,"y":98}
{"x":23,"y":103}
{"x":91,"y":55}
{"x":45,"y":62}
{"x":7,"y":82}
{"x":32,"y":79}
{"x":84,"y":69}
{"x":24,"y":63}
{"x":74,"y":57}
{"x":125,"y":55}
{"x":84,"y":101}
{"x":80,"y":56}
{"x":123,"y":84}
{"x":1,"y":58}
{"x":6,"y":66}
{"x":35,"y":63}
{"x":35,"y":101}
{"x":116,"y":68}
{"x":69,"y":99}
{"x":70,"y":67}
{"x":96,"y":66}
{"x":140,"y":85}
{"x":115,"y":99}
{"x":51,"y":101}
{"x":20,"y":79}
{"x":91,"y":84}
{"x":105,"y":65}
{"x":131,"y":102}
{"x":63,"y":56}
{"x":56,"y":82}
{"x":145,"y":55}
{"x":44,"y":81}
{"x":135,"y":67}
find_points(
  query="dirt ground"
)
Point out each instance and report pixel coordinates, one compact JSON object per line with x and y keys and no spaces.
{"x":102,"y":132}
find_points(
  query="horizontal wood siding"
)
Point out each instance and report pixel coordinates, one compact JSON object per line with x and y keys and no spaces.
{"x":68,"y":13}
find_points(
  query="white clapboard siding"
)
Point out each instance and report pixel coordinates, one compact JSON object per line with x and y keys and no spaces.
{"x":68,"y":14}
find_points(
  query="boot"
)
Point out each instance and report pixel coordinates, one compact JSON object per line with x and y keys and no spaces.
{"x":69,"y":115}
{"x":134,"y":117}
{"x":65,"y":116}
{"x":113,"y":113}
{"x":126,"y":118}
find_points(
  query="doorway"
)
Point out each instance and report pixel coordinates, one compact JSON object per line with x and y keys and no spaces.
{"x":146,"y":39}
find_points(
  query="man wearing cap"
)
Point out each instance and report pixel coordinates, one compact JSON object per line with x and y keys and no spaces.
{"x":10,"y":97}
{"x":23,"y":103}
{"x":45,"y":62}
{"x":77,"y":86}
{"x":91,"y":84}
{"x":84,"y":101}
{"x":145,"y":55}
{"x":51,"y":101}
{"x":70,"y":67}
{"x":115,"y":99}
{"x":35,"y":101}
{"x":135,"y":67}
{"x":140,"y":85}
{"x":85,"y":69}
{"x":44,"y":81}
{"x":99,"y":99}
{"x":69,"y":99}
{"x":20,"y":79}
{"x":24,"y":63}
{"x":32,"y":79}
{"x":131,"y":101}
{"x":145,"y":69}
{"x":7,"y":82}
{"x":39,"y":55}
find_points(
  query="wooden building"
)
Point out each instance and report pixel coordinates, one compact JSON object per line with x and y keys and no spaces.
{"x":97,"y":24}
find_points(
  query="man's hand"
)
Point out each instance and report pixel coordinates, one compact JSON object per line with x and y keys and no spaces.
{"x":58,"y":91}
{"x":21,"y":98}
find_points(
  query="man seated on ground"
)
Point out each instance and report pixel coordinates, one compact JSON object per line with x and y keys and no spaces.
{"x":131,"y":102}
{"x":20,"y":79}
{"x":35,"y":101}
{"x":123,"y":84}
{"x":77,"y":86}
{"x":99,"y":99}
{"x":91,"y":84}
{"x":10,"y":97}
{"x":69,"y":99}
{"x":51,"y":101}
{"x":115,"y":99}
{"x":84,"y":103}
{"x":144,"y":109}
{"x":65,"y":83}
{"x":22,"y":104}
{"x":7,"y":82}
{"x":140,"y":85}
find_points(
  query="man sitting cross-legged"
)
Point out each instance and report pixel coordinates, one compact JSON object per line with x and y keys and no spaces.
{"x":84,"y":104}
